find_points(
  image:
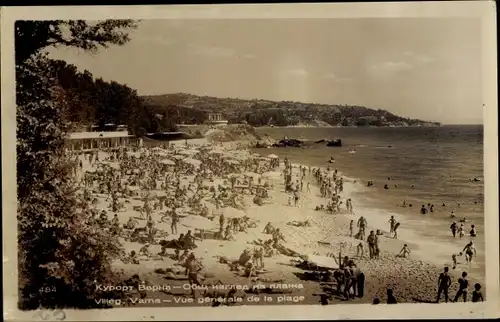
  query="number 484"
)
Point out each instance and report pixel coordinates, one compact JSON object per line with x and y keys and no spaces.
{"x":47,"y":289}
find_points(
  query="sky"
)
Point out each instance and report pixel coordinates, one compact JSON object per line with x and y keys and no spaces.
{"x":426,"y":68}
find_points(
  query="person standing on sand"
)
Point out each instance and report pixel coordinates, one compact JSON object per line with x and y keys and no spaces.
{"x":391,"y":299}
{"x":193,"y":267}
{"x":477,"y":296}
{"x":463,"y":284}
{"x":444,"y":283}
{"x":392,"y":222}
{"x":351,"y":228}
{"x":396,"y":226}
{"x":296,"y":198}
{"x":308,"y":187}
{"x":175,"y":221}
{"x":371,"y":244}
{"x":362,"y":225}
{"x":359,"y":249}
{"x":377,"y":247}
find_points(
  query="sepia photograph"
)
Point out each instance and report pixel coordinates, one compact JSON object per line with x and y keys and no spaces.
{"x":208,"y":157}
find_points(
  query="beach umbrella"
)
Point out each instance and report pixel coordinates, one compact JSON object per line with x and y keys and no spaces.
{"x":162,"y":153}
{"x":199,"y":222}
{"x":167,"y":162}
{"x":194,"y":162}
{"x":251,"y":174}
{"x":134,"y":154}
{"x":230,"y":212}
{"x":113,"y":165}
{"x":273,"y":156}
{"x":156,"y":148}
{"x":232,"y":161}
{"x":187,"y":152}
{"x":272,"y":174}
{"x":322,"y":261}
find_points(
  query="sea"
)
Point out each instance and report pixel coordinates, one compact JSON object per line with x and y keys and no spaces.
{"x":419,"y":165}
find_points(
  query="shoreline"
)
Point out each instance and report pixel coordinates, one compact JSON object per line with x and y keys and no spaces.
{"x":388,"y":271}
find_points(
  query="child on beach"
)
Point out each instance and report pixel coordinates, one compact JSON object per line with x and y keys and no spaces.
{"x":360,"y":250}
{"x":461,"y":232}
{"x":454,"y":259}
{"x":404,"y":251}
{"x":463,"y":283}
{"x":477,"y":296}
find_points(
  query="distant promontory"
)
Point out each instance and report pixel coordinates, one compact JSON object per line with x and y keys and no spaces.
{"x":259,"y":112}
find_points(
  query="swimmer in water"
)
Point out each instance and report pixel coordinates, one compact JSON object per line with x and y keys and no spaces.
{"x":461,"y":232}
{"x":423,"y":210}
{"x":473,"y":232}
{"x":470,"y":251}
{"x":452,"y":215}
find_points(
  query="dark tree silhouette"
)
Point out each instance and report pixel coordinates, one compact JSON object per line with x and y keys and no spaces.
{"x":61,"y":258}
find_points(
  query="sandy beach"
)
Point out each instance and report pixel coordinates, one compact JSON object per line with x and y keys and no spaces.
{"x":412,"y":279}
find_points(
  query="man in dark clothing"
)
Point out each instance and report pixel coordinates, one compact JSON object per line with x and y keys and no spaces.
{"x":390,"y":297}
{"x":444,"y":283}
{"x":371,"y":244}
{"x":463,"y":283}
{"x":453,"y":228}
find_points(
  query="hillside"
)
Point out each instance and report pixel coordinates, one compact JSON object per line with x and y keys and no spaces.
{"x":285,"y":113}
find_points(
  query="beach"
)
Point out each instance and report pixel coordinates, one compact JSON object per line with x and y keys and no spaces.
{"x":326,"y":235}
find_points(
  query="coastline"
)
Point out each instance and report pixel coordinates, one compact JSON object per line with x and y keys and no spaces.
{"x":412,"y":279}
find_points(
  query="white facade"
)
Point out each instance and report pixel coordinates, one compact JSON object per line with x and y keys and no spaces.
{"x":81,"y":141}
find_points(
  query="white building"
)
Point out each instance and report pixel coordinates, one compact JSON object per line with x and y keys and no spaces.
{"x":86,"y":141}
{"x":216,"y":119}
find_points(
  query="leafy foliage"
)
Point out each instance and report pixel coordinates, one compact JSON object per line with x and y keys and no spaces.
{"x":58,"y":251}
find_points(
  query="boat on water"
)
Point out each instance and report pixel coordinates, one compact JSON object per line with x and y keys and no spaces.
{"x":335,"y":143}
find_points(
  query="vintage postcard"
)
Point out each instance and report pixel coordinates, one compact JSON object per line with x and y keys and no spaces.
{"x":257,"y":162}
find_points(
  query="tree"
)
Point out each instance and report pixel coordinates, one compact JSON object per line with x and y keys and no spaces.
{"x":58,"y":252}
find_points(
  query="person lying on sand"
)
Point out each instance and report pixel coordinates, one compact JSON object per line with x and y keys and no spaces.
{"x":131,"y":258}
